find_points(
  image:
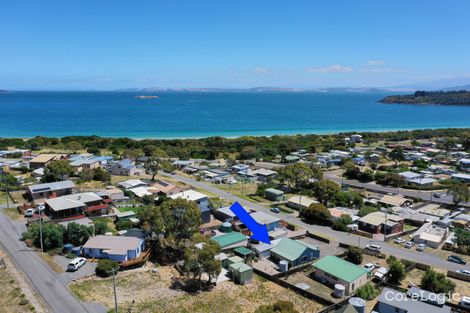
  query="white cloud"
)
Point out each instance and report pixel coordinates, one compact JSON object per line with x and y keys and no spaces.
{"x":335,"y":68}
{"x":382,"y":70}
{"x":261,"y":70}
{"x":375,"y":62}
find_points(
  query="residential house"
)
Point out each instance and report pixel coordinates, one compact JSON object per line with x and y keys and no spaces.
{"x":356,"y":138}
{"x":464,"y":165}
{"x":391,"y":201}
{"x":85,"y":164}
{"x":465,"y":178}
{"x":300,"y":202}
{"x":201,"y":200}
{"x":331,"y":270}
{"x":125,"y":167}
{"x":295,"y":252}
{"x":272,"y":222}
{"x":265,"y":175}
{"x":180,"y":164}
{"x":240,"y":168}
{"x":274,"y":194}
{"x":410,"y":175}
{"x":41,"y":192}
{"x":132,"y":183}
{"x":76,"y":205}
{"x":394,"y":301}
{"x":162,"y":187}
{"x":116,"y":248}
{"x":380,"y":222}
{"x":43,"y":159}
{"x":231,"y":240}
{"x":112,"y":194}
{"x":225,"y":214}
{"x":431,"y":235}
{"x":291,"y":159}
{"x":432,"y":209}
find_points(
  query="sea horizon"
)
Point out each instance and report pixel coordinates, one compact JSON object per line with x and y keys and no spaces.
{"x":192,"y":115}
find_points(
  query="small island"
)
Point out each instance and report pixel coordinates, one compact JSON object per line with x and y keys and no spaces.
{"x":461,"y":97}
{"x":147,"y":97}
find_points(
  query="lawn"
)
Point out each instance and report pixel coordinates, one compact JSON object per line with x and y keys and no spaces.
{"x":17,"y":295}
{"x":134,"y":209}
{"x":151,"y":293}
{"x":13,"y":214}
{"x":3,"y":198}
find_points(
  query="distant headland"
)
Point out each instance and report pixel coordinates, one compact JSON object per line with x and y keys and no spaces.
{"x":461,"y":97}
{"x":146,"y":97}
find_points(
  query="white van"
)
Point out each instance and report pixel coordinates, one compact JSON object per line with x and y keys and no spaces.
{"x":29,"y":213}
{"x":75,"y":264}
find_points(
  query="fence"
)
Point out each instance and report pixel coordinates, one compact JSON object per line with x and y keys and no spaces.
{"x":458,"y":276}
{"x":317,"y":237}
{"x":305,"y":293}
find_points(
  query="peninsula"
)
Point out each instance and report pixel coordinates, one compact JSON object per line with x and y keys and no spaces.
{"x":461,"y":97}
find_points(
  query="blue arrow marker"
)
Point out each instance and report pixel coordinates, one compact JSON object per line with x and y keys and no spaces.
{"x":260,"y":232}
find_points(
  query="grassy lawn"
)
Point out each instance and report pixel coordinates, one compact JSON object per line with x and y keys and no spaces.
{"x":408,"y":227}
{"x":17,"y":296}
{"x":13,"y":214}
{"x":135,"y":209}
{"x":3,"y":198}
{"x":93,"y":184}
{"x":50,"y":261}
{"x":151,"y":293}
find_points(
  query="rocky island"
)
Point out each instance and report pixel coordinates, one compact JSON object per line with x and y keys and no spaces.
{"x":461,"y":97}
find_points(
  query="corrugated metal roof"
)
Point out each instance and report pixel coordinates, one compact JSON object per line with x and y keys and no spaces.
{"x":340,"y":268}
{"x":229,"y":239}
{"x":291,"y":249}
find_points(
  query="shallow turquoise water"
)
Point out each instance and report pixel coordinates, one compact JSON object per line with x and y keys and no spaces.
{"x":183,"y":115}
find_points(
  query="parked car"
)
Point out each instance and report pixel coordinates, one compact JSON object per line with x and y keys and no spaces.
{"x":465,"y":302}
{"x":409,"y":244}
{"x":29,"y":213}
{"x":456,"y":259}
{"x":421,"y":247}
{"x":275,"y":210}
{"x":75,"y":264}
{"x":376,"y":248}
{"x":436,"y":195}
{"x":464,"y":272}
{"x":399,"y":240}
{"x":377,"y":265}
{"x":369,"y":267}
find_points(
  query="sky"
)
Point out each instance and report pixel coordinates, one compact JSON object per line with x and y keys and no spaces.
{"x":113,"y":44}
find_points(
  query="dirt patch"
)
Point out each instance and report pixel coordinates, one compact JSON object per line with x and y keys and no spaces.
{"x":151,"y":293}
{"x":17,"y":294}
{"x":51,"y":262}
{"x":13,"y":214}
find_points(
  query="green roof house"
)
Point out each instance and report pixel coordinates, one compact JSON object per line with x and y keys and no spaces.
{"x":294,"y":252}
{"x":274,"y":194}
{"x":241,"y":273}
{"x":332,"y":270}
{"x":231,"y":240}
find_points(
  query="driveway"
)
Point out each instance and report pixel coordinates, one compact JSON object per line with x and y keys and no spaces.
{"x":86,"y":270}
{"x":331,"y":248}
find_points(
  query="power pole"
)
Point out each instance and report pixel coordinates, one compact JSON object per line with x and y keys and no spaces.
{"x":113,"y":270}
{"x":40,"y":230}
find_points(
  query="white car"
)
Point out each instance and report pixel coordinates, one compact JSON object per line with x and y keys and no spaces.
{"x":465,"y":302}
{"x":75,"y":264}
{"x":29,"y":213}
{"x":399,"y":240}
{"x":409,"y":244}
{"x":369,"y":267}
{"x":374,"y":248}
{"x":421,"y":247}
{"x":464,"y":272}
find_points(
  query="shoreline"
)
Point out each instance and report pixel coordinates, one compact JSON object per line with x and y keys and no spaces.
{"x":285,"y":134}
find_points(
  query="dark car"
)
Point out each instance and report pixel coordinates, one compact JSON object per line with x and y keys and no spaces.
{"x":456,"y":259}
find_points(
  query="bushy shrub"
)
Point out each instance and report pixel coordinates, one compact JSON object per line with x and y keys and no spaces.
{"x":105,"y":266}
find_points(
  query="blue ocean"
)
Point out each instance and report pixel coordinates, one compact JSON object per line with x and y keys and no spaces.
{"x":200,"y":114}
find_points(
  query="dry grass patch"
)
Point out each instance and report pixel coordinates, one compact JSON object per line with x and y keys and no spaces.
{"x":151,"y":293}
{"x":51,"y":262}
{"x":13,"y":214}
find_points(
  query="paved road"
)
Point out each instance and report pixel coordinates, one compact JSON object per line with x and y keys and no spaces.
{"x":424,"y":195}
{"x":47,"y":283}
{"x":425,"y":258}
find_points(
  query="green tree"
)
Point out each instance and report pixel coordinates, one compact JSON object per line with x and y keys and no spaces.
{"x":354,"y":255}
{"x":132,"y":154}
{"x":459,"y":192}
{"x":105,"y":267}
{"x":101,"y":228}
{"x":367,"y":292}
{"x":316,"y":213}
{"x":436,"y":282}
{"x":462,"y":239}
{"x":77,"y":234}
{"x":396,"y":271}
{"x":74,"y":146}
{"x":367,"y":210}
{"x":324,"y":190}
{"x":152,"y":166}
{"x":52,"y":235}
{"x":281,"y":306}
{"x":342,"y":222}
{"x":295,"y":175}
{"x":397,"y":155}
{"x":57,"y":170}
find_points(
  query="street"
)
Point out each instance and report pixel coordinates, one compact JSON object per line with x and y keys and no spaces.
{"x":45,"y":281}
{"x":422,"y":257}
